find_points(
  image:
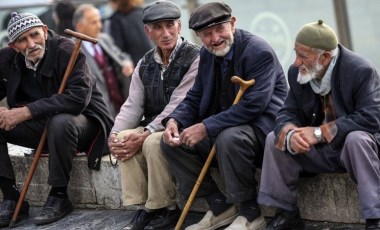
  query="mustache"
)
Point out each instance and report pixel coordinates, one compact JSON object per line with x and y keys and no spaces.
{"x":37,"y":47}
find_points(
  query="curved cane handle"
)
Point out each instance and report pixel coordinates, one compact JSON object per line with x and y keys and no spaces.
{"x":244,"y":85}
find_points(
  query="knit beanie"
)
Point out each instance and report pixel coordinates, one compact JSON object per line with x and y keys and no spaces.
{"x":317,"y":35}
{"x":20,"y":23}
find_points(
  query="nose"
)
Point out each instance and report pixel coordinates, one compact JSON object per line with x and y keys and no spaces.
{"x":214,"y":37}
{"x":297,"y":62}
{"x":165,"y":32}
{"x":30,"y":43}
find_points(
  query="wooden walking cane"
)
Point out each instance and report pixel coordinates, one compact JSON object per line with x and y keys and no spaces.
{"x":41,"y":144}
{"x":244,"y":85}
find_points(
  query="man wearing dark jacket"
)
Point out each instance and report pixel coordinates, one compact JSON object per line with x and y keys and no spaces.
{"x":31,"y":72}
{"x":206,"y":117}
{"x":328,"y":123}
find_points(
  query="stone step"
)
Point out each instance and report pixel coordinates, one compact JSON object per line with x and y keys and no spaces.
{"x":325,"y":197}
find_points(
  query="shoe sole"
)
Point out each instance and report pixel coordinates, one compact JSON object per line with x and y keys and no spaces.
{"x":223,"y":223}
{"x":42,"y":222}
{"x":260,"y":225}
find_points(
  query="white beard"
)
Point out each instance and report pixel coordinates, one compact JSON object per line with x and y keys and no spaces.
{"x":224,"y":51}
{"x":310,"y":75}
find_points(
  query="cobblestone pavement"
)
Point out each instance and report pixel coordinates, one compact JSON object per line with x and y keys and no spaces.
{"x":117,"y":219}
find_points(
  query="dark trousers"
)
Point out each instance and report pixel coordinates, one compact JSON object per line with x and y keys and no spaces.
{"x":66,"y":135}
{"x":237,"y":149}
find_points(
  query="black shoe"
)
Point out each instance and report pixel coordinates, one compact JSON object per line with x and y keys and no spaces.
{"x":372,"y":224}
{"x":286,"y":220}
{"x":140,"y":220}
{"x":164,"y":219}
{"x":54,"y":209}
{"x":7,"y":209}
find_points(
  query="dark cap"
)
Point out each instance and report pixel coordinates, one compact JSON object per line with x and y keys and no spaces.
{"x":208,"y":15}
{"x":161,"y":10}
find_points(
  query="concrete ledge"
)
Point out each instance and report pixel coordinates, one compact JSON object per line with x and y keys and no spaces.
{"x":325,"y":197}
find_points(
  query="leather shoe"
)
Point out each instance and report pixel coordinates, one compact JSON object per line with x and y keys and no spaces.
{"x":54,"y":209}
{"x":164,"y":219}
{"x":7,"y":209}
{"x":140,"y":220}
{"x":372,"y":224}
{"x":286,"y":220}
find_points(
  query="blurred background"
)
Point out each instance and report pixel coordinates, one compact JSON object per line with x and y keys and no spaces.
{"x":277,"y":21}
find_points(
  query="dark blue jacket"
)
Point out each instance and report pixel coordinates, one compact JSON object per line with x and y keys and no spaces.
{"x":355,"y":88}
{"x":253,"y":59}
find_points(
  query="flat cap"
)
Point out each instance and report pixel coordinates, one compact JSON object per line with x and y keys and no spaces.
{"x":317,"y":35}
{"x":208,"y":15}
{"x":161,"y":10}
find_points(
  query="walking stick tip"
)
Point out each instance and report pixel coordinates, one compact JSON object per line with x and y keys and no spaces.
{"x":12,"y":223}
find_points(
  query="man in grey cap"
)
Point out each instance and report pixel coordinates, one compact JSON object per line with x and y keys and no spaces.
{"x":328,"y":123}
{"x":160,"y":81}
{"x":32,"y":69}
{"x":206,"y":117}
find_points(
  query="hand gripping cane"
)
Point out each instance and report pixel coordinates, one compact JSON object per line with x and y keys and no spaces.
{"x":244,"y":85}
{"x":41,"y":144}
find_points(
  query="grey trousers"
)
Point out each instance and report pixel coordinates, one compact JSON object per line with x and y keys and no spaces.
{"x":358,"y":157}
{"x":235,"y":158}
{"x":66,"y":135}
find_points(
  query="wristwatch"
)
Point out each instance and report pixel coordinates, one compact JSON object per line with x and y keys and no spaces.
{"x":318,"y":134}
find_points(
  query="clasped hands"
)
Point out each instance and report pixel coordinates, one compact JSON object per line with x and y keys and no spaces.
{"x":303,"y":139}
{"x":9,"y":118}
{"x":124,"y":148}
{"x":189,"y":136}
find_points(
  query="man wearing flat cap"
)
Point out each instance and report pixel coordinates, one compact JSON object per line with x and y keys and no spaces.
{"x":328,"y":123}
{"x":77,"y":120}
{"x":206,"y":117}
{"x":160,"y":81}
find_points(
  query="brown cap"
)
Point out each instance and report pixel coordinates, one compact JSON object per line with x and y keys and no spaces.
{"x":208,"y":15}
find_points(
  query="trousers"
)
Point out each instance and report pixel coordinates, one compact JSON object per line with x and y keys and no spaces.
{"x":358,"y":157}
{"x":237,"y":149}
{"x":66,"y":134}
{"x":145,"y":177}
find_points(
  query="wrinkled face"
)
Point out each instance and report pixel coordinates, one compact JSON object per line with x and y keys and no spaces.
{"x":31,"y":44}
{"x":309,"y":64}
{"x":90,"y":24}
{"x":219,"y":38}
{"x":164,"y":33}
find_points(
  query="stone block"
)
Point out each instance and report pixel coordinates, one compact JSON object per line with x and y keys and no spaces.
{"x":325,"y":197}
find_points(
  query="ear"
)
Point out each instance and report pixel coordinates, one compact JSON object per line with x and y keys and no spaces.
{"x":179,"y":26}
{"x":233,"y":20}
{"x":326,"y":58}
{"x":45,"y":29}
{"x":147,"y":30}
{"x":12,"y":45}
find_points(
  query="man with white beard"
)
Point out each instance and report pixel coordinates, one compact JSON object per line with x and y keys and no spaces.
{"x":206,"y":117}
{"x":328,"y":123}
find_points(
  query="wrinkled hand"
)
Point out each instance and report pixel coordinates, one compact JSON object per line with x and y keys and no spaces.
{"x":194,"y":134}
{"x":124,"y":148}
{"x":9,"y":118}
{"x":303,"y":139}
{"x":171,"y":135}
{"x":128,"y":68}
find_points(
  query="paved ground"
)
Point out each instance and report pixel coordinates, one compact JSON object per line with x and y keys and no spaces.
{"x":117,"y":219}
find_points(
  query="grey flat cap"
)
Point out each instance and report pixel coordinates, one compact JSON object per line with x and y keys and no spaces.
{"x":208,"y":15}
{"x":161,"y":10}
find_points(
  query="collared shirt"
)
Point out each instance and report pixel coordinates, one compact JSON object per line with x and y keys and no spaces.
{"x":158,"y":58}
{"x":223,"y":61}
{"x":132,"y":110}
{"x":30,"y":64}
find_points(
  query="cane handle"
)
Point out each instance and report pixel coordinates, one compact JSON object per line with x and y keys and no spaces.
{"x":80,"y":36}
